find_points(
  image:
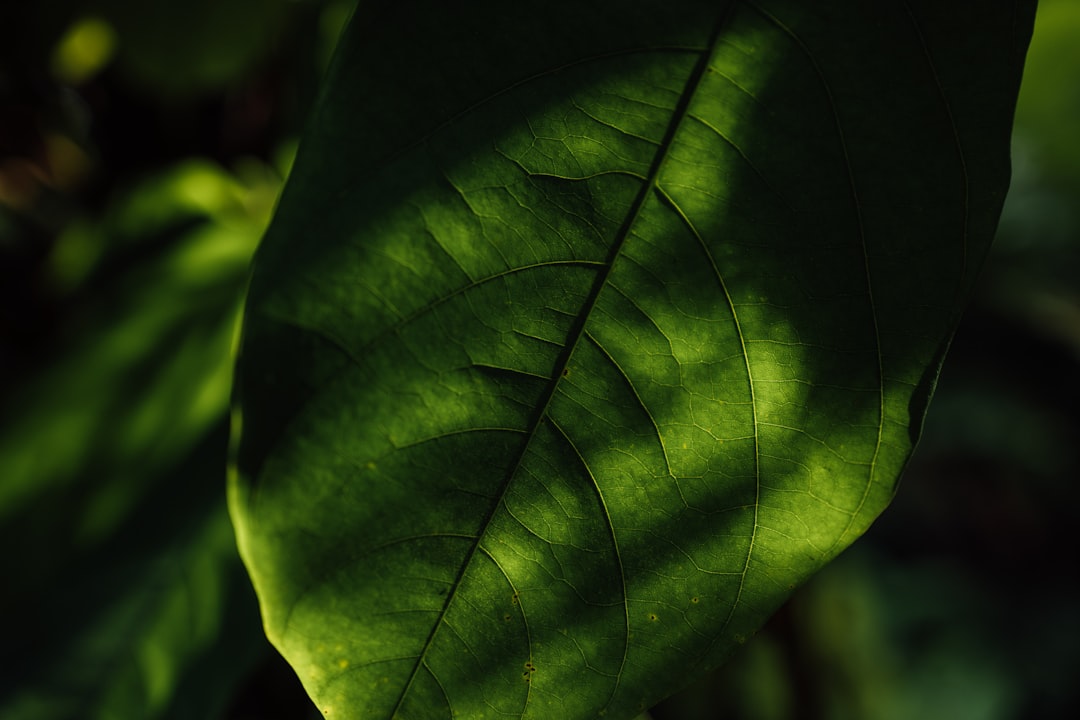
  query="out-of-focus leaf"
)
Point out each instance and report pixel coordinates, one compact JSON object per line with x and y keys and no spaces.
{"x":110,"y":470}
{"x":1049,"y":106}
{"x":138,"y":628}
{"x":1037,"y":252}
{"x":145,"y":368}
{"x":180,"y":49}
{"x":586,"y":332}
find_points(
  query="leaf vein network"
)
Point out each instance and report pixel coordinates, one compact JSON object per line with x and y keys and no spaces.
{"x":641,"y":403}
{"x":674,"y":205}
{"x":615,"y":549}
{"x":857,"y":207}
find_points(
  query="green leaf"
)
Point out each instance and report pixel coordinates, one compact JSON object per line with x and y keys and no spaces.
{"x":163,"y":634}
{"x":123,"y":574}
{"x":142,"y":368}
{"x":1048,"y":108}
{"x":176,"y":50}
{"x":586,"y":331}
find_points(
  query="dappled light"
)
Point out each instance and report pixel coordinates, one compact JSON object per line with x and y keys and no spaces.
{"x":582,"y":341}
{"x":670,"y":299}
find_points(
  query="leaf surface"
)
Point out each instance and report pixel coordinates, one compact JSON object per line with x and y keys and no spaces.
{"x":585,"y":332}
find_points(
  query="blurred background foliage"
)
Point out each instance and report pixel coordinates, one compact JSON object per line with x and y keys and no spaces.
{"x":142,"y":147}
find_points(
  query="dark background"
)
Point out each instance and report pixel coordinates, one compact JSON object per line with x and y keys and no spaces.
{"x":142,"y":145}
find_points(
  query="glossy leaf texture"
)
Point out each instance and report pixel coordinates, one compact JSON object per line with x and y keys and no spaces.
{"x":585,"y":332}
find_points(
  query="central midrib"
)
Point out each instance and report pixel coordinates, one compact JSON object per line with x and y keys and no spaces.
{"x":577,"y":329}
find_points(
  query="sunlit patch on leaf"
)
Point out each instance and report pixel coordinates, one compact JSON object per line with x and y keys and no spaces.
{"x":631,"y":317}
